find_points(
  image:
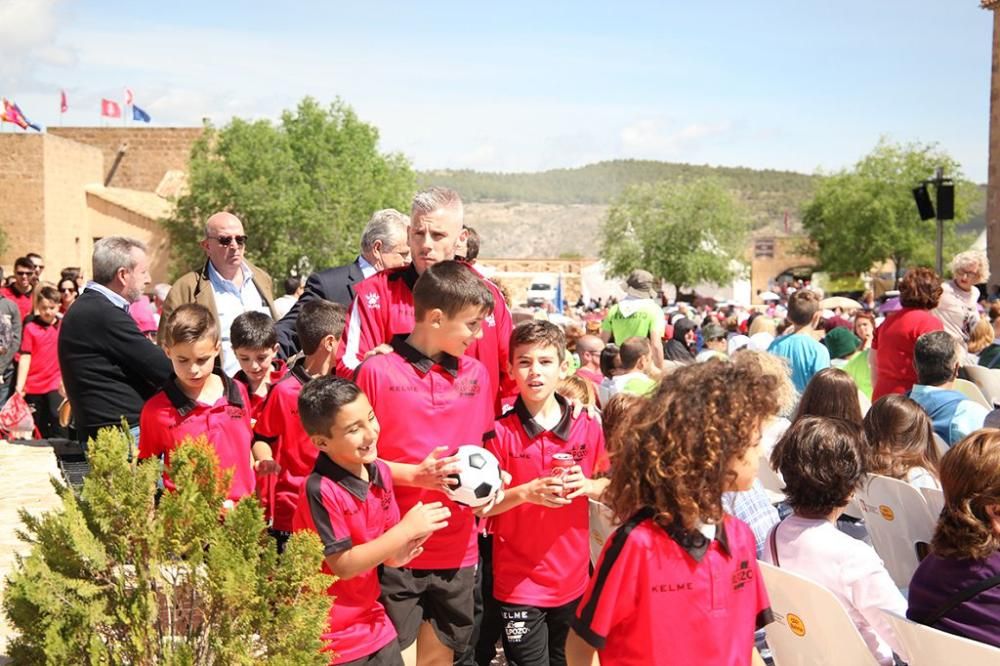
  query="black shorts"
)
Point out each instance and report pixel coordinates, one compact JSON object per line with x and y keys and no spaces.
{"x":389,"y":655}
{"x":534,"y":636}
{"x":443,"y":597}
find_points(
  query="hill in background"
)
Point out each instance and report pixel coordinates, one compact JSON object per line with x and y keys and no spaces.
{"x":558,"y":213}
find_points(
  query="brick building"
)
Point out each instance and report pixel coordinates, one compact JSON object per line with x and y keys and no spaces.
{"x":70,"y":186}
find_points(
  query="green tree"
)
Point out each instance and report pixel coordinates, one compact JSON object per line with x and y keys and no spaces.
{"x":114,"y":578}
{"x":685,"y":233}
{"x":304,"y":187}
{"x":864,"y":216}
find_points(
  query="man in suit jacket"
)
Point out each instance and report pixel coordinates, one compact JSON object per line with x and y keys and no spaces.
{"x":109,"y":368}
{"x":383,"y":245}
{"x":227,"y":285}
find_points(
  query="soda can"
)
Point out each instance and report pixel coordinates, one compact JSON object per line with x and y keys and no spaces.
{"x":561,"y":462}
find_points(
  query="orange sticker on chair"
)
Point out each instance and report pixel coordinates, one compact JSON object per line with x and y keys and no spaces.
{"x":795,"y":624}
{"x":886,"y":512}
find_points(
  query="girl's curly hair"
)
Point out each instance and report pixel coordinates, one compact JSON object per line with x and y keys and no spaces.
{"x":970,"y":478}
{"x":674,"y":455}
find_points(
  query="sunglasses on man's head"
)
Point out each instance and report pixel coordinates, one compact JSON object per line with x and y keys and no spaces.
{"x":226,"y":241}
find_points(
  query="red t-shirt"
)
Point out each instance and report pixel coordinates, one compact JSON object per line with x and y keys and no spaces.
{"x":279,"y":426}
{"x":265,"y":482}
{"x":383,"y":309}
{"x":170,"y":416}
{"x":420,"y":405}
{"x":541,"y":556}
{"x":655,"y":600}
{"x":893,"y":344}
{"x":25,"y":302}
{"x":40,"y":340}
{"x":347,"y":511}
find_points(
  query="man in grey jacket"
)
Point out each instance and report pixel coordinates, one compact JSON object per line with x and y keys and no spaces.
{"x":10,"y":343}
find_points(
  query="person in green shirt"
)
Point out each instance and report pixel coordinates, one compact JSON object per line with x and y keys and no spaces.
{"x":637,"y":315}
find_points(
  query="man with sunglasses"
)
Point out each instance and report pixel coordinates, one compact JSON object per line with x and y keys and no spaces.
{"x":227,"y":284}
{"x":21,"y":291}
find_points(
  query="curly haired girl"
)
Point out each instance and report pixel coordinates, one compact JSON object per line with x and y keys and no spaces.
{"x":696,"y":437}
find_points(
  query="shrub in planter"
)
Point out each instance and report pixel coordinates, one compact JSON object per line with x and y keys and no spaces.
{"x":112,"y":578}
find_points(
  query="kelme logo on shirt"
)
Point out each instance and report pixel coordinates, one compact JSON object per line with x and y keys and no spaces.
{"x":490,"y":320}
{"x":234,"y":412}
{"x":372,"y":300}
{"x":742,"y":576}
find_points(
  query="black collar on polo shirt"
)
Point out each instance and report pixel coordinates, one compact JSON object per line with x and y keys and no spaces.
{"x":185,"y":405}
{"x":421,"y":361}
{"x":352,"y":484}
{"x":531,"y":426}
{"x":298,"y":370}
{"x":407,"y":275}
{"x":695,"y":543}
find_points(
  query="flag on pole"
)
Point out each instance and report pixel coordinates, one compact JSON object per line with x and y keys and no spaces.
{"x":110,"y":109}
{"x":128,"y":97}
{"x":139,"y":114}
{"x":63,"y":103}
{"x":12,"y":114}
{"x":559,"y":295}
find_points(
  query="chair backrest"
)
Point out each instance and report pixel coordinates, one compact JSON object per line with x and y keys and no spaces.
{"x":987,"y":379}
{"x":972,"y":392}
{"x":935,"y":502}
{"x":897,"y":519}
{"x":602,"y":524}
{"x":811,"y":627}
{"x":927,"y":646}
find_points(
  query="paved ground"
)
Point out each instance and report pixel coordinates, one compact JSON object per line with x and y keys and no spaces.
{"x":24,"y":483}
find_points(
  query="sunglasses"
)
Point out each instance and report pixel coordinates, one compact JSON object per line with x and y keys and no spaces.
{"x":68,"y":290}
{"x":24,"y":273}
{"x":226,"y":241}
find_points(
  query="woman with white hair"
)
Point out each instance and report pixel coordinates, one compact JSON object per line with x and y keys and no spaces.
{"x":957,"y":309}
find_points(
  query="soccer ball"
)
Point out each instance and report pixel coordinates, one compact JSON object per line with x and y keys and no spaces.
{"x":479,"y":476}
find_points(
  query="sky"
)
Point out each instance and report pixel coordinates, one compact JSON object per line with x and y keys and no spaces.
{"x":802,"y":85}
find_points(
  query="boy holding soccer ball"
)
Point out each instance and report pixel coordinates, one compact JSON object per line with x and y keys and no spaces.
{"x":430,"y":397}
{"x":540,"y":528}
{"x":348,"y":501}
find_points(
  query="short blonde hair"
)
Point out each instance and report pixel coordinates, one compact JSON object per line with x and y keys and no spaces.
{"x":981,"y":336}
{"x":973,"y":261}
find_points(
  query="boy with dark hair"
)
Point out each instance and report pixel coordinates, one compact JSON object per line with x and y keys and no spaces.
{"x":198,"y":399}
{"x":805,"y":355}
{"x":255,"y":345}
{"x":39,"y":380}
{"x":431,"y":397}
{"x":281,"y":446}
{"x":348,"y":501}
{"x":541,"y":528}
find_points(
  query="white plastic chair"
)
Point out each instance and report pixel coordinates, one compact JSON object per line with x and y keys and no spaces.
{"x":972,"y":392}
{"x":988,"y":381}
{"x":897,"y":519}
{"x":935,"y":502}
{"x":811,"y":627}
{"x":602,"y":524}
{"x":926,"y":646}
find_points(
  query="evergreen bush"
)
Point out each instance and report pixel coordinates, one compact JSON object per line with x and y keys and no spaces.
{"x":114,"y":578}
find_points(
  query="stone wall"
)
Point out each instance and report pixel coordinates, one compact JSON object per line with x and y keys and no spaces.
{"x":769,"y":256}
{"x":151,"y":151}
{"x":109,"y":219}
{"x":22,"y":194}
{"x":69,"y":168}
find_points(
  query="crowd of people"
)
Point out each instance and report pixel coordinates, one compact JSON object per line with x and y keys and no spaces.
{"x":341,"y":407}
